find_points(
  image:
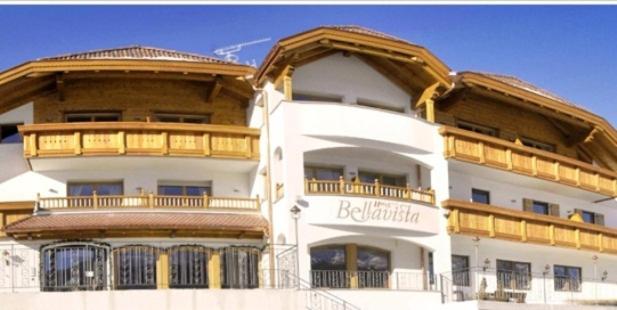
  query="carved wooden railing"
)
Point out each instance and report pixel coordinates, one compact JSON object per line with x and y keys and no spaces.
{"x":150,"y":201}
{"x":376,"y":189}
{"x":489,"y":151}
{"x":503,"y":223}
{"x":139,"y":138}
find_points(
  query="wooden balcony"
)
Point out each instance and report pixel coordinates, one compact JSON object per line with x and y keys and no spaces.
{"x":371,"y":190}
{"x":150,"y":201}
{"x":503,"y":223}
{"x":139,"y":138}
{"x":501,"y":154}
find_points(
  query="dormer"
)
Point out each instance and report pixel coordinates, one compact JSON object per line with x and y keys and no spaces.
{"x":357,"y":66}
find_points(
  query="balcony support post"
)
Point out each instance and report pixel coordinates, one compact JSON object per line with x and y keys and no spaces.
{"x":557,"y":176}
{"x":77,"y":142}
{"x":150,"y":200}
{"x":95,"y":200}
{"x":491,"y":225}
{"x":551,"y":234}
{"x":214,"y":269}
{"x":206,"y":144}
{"x":481,"y":154}
{"x":352,"y":264}
{"x":377,"y":188}
{"x":524,"y":231}
{"x":121,"y":142}
{"x":206,"y":201}
{"x":341,"y":184}
{"x":601,"y":242}
{"x":577,"y":238}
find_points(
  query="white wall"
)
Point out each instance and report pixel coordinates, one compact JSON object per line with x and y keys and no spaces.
{"x":158,"y":300}
{"x":539,"y":256}
{"x":511,"y":196}
{"x":12,"y":155}
{"x":53,"y":183}
{"x":350,"y":78}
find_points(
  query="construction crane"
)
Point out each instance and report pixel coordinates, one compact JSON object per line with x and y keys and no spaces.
{"x":229,"y":53}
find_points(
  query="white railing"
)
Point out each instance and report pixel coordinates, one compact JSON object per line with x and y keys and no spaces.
{"x":532,"y":288}
{"x":147,"y":201}
{"x":398,"y":280}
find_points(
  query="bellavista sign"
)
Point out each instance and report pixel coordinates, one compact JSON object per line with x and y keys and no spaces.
{"x":377,"y":213}
{"x":376,"y":210}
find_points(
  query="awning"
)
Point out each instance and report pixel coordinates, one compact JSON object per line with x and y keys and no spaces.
{"x":118,"y":224}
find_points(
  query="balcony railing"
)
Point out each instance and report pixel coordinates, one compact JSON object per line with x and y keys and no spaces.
{"x":399,"y":280}
{"x":508,"y":224}
{"x":497,"y":153}
{"x":150,"y":201}
{"x":139,"y":138}
{"x":376,"y":189}
{"x":486,"y":283}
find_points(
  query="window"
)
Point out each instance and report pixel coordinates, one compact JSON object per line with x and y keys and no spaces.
{"x":589,"y":217}
{"x":513,"y":275}
{"x":460,"y":270}
{"x":239,"y":267}
{"x":385,"y":179}
{"x":88,"y":188}
{"x":322,"y":173}
{"x":10,"y":134}
{"x":300,"y":96}
{"x":135,"y":267}
{"x":379,"y":105}
{"x":328,"y":267}
{"x":82,"y":117}
{"x":373,"y":267}
{"x":540,"y":207}
{"x":476,"y":128}
{"x":431,"y":268}
{"x":480,"y":196}
{"x":188,"y":266}
{"x":182,"y":118}
{"x":184,"y":190}
{"x":538,"y":145}
{"x":567,"y":278}
{"x":74,"y":267}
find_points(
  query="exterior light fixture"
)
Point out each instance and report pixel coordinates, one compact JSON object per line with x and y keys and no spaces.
{"x":295,"y":212}
{"x":604,"y":275}
{"x":487,"y":264}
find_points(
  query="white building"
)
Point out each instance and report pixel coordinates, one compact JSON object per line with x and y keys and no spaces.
{"x":352,"y":170}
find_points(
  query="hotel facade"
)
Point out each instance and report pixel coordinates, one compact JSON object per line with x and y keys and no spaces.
{"x":351,"y":170}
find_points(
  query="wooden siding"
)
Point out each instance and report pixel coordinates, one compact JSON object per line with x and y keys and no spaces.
{"x":11,"y":212}
{"x":507,"y":224}
{"x":493,"y":152}
{"x":137,"y":99}
{"x":138,"y":138}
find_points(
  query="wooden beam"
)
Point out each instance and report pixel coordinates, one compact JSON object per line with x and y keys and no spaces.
{"x":146,"y":75}
{"x":214,"y":90}
{"x":60,"y":86}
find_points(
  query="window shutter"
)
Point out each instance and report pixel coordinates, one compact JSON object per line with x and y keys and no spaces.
{"x":599,"y":219}
{"x":527,"y":205}
{"x":553,"y":209}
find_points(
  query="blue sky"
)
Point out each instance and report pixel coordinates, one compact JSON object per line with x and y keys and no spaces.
{"x":570,"y":50}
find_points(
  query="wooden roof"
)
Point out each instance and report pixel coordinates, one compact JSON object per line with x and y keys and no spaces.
{"x":410,"y":66}
{"x":569,"y":117}
{"x":29,"y":80}
{"x":113,"y":223}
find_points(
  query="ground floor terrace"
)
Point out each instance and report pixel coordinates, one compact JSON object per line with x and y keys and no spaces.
{"x":492,"y":270}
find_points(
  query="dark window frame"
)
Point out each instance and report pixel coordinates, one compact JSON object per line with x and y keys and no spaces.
{"x":537,"y":144}
{"x":312,"y":168}
{"x":461,"y":277}
{"x":145,"y":277}
{"x":188,"y":266}
{"x":559,"y":285}
{"x":522,"y":281}
{"x":542,"y":204}
{"x":184,"y":186}
{"x":206,"y":118}
{"x":477,"y":128}
{"x":92,"y":115}
{"x":53,"y":279}
{"x":401,"y":179}
{"x":475,"y":191}
{"x":95,"y":185}
{"x":16,"y":132}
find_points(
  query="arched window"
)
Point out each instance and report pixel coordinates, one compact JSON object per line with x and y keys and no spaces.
{"x":74,"y":266}
{"x":188,"y":266}
{"x":135,"y":267}
{"x":329,"y":267}
{"x":240,"y":267}
{"x":373,"y":267}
